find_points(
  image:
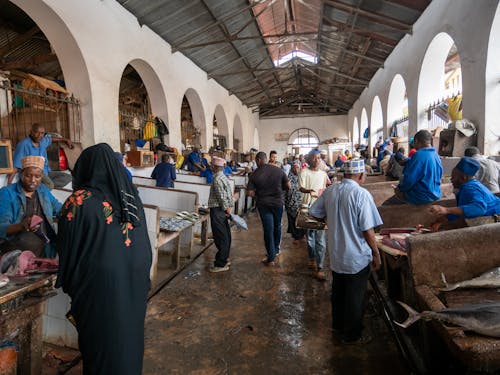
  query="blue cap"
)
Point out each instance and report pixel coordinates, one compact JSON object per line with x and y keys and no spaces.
{"x":468,"y":166}
{"x":354,"y":166}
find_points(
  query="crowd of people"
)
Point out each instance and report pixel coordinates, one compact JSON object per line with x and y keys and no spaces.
{"x":105,"y":255}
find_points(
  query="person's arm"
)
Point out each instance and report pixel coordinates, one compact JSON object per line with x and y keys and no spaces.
{"x":63,"y":140}
{"x":369,"y":236}
{"x":154,"y":174}
{"x":285,"y":183}
{"x":250,"y":188}
{"x":411,"y":174}
{"x":318,"y":208}
{"x":174,"y":173}
{"x":302,"y":183}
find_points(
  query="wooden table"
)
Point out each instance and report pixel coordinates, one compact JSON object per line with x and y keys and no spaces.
{"x":22,"y":303}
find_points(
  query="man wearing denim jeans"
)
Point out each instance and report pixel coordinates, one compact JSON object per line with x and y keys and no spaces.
{"x":267,"y":184}
{"x":312,"y":183}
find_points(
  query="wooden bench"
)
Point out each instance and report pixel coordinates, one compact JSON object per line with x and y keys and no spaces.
{"x":460,"y":254}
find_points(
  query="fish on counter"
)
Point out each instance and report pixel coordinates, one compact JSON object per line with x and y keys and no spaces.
{"x":490,"y":279}
{"x":482,"y":318}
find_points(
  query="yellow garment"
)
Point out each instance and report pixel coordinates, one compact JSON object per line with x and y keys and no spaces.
{"x":179,"y":161}
{"x":455,"y":107}
{"x":150,"y":129}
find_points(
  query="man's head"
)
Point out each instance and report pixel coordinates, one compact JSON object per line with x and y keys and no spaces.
{"x":323,"y":154}
{"x":464,"y":171}
{"x":196,"y":149}
{"x":313,"y":159}
{"x":471,"y":151}
{"x":296,"y":168}
{"x":401,"y":150}
{"x":165,"y":158}
{"x":422,"y":139}
{"x":37,"y":132}
{"x":260,"y":158}
{"x":217,"y":163}
{"x":31,"y":172}
{"x":247,"y":158}
{"x":354,"y":169}
{"x":273,"y":155}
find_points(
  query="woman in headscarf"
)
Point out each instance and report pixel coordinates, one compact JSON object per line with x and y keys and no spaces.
{"x":293,"y":199}
{"x":104,"y":261}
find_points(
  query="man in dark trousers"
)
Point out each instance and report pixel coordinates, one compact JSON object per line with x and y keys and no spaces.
{"x":164,"y":173}
{"x":220,"y":202}
{"x":268,"y":183}
{"x":351,"y":216}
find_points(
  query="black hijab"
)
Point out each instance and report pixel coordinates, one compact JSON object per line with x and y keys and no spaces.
{"x":98,"y":170}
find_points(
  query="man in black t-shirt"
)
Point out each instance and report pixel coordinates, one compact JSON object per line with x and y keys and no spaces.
{"x":268,"y":184}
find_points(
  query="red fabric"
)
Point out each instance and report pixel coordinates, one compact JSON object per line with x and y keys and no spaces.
{"x":412,"y":152}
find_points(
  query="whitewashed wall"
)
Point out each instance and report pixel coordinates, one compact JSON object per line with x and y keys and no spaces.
{"x":326,"y":127}
{"x":469,"y":23}
{"x":96,"y":39}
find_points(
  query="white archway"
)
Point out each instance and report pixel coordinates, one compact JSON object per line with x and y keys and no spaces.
{"x":355,"y":132}
{"x":256,"y":139}
{"x":222,"y":125}
{"x":376,"y":121}
{"x":237,"y":134}
{"x":432,"y":73}
{"x":197,"y":112}
{"x":364,"y":128}
{"x":70,"y":58}
{"x":491,"y":143}
{"x":396,"y":101}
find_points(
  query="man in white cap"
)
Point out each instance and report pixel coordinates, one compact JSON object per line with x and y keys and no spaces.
{"x":323,"y":163}
{"x":351,"y":216}
{"x":27,"y":209}
{"x":220,"y":202}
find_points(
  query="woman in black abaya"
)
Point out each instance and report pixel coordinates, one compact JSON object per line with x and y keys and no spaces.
{"x":104,"y":261}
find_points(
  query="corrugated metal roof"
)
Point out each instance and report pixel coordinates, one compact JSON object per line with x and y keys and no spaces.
{"x":236,"y":42}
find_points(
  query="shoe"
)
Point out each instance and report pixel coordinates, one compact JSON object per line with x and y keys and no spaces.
{"x":364,"y":339}
{"x":320,"y":275}
{"x":311,"y":264}
{"x":228,"y":262}
{"x":218,"y":269}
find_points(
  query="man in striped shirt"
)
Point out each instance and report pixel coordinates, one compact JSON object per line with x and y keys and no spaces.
{"x":220,"y":203}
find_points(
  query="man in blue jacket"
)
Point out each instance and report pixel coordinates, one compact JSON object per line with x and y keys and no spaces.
{"x":421,"y":182}
{"x":473,"y":198}
{"x":164,"y":173}
{"x":27,"y":209}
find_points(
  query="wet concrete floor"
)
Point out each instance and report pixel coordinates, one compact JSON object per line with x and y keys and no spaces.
{"x":255,"y":319}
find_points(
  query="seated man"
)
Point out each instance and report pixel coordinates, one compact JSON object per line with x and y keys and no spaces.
{"x":27,"y":209}
{"x":164,"y":172}
{"x":473,"y":198}
{"x":35,"y":144}
{"x":421,"y":182}
{"x":194,"y":161}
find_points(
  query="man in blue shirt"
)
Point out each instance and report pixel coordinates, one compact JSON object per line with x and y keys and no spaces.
{"x":194,"y":161}
{"x":473,"y":198}
{"x":35,"y":144}
{"x":421,"y":182}
{"x":351,"y":216}
{"x":20,"y":204}
{"x":164,"y":173}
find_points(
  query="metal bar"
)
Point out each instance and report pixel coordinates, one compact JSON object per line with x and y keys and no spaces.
{"x":356,"y":30}
{"x":19,"y":40}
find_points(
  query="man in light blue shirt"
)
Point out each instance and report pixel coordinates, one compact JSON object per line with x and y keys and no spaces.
{"x":35,"y":144}
{"x":351,"y":216}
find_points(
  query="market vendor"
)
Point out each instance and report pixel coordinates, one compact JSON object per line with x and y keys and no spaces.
{"x":194,"y":161}
{"x":27,"y":209}
{"x":473,"y":198}
{"x":421,"y":182}
{"x":35,"y":144}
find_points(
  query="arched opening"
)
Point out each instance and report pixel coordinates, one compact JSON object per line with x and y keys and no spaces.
{"x":440,"y":84}
{"x":53,"y":54}
{"x":192,"y":120}
{"x":355,"y":132}
{"x":256,"y":139}
{"x":220,"y":129}
{"x":237,"y":134}
{"x":33,"y":86}
{"x":365,"y":131}
{"x":397,"y":109}
{"x":491,"y":144}
{"x":376,"y":122}
{"x":301,"y":141}
{"x":134,"y":108}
